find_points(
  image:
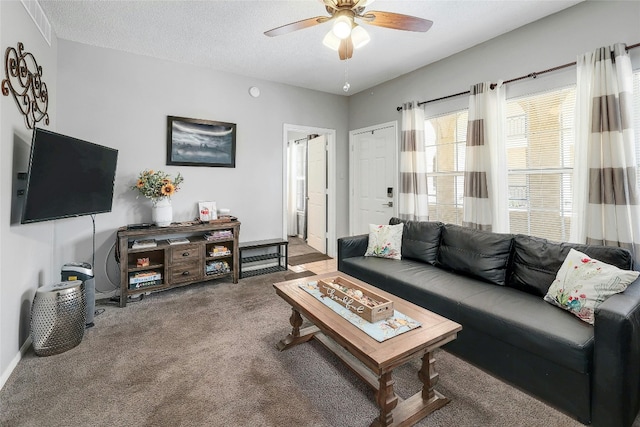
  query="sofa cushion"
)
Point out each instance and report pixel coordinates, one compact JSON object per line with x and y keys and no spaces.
{"x":425,"y":285}
{"x":420,"y":239}
{"x":385,"y":241}
{"x":583,"y":283}
{"x":536,"y":261}
{"x":528,"y":322}
{"x":517,"y":318}
{"x":477,"y":253}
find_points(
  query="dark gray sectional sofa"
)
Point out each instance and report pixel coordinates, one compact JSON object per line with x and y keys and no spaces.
{"x":493,"y":284}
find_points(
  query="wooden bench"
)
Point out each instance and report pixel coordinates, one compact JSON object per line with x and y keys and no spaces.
{"x":281,"y":255}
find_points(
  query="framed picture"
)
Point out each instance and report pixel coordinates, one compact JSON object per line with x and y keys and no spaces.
{"x":207,"y":211}
{"x":195,"y":142}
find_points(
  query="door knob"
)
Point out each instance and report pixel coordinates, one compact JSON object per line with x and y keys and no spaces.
{"x":390,"y":204}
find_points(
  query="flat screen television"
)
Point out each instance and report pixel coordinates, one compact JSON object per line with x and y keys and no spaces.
{"x":67,"y":177}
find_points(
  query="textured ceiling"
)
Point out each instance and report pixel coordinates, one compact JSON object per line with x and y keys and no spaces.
{"x":228,"y":35}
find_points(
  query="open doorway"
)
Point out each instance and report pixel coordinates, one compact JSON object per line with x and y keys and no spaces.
{"x":309,"y":186}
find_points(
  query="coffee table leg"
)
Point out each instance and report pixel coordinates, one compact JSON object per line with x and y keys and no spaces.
{"x":387,"y":401}
{"x":428,"y":376}
{"x":295,"y":337}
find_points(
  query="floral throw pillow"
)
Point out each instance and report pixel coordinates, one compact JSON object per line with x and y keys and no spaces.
{"x":385,"y":241}
{"x":583,"y":283}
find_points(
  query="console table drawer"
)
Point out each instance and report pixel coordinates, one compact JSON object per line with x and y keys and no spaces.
{"x":186,"y":271}
{"x":184,"y":253}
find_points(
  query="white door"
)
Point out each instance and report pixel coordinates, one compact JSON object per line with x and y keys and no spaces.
{"x":374,"y":176}
{"x":317,"y":193}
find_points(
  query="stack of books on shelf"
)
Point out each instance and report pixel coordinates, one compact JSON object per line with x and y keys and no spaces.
{"x":144,"y":243}
{"x":178,"y":241}
{"x":219,"y":250}
{"x":218,"y":267}
{"x":144,"y":279}
{"x":219,"y":235}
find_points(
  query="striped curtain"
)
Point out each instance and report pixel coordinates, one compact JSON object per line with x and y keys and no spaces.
{"x":412,"y":197}
{"x":606,"y":203}
{"x":485,"y":205}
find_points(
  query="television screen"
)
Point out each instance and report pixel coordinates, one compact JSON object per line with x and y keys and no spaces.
{"x":67,"y":177}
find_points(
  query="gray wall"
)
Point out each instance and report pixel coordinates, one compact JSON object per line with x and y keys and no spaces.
{"x":544,"y":44}
{"x":122,"y":100}
{"x":26,"y":252}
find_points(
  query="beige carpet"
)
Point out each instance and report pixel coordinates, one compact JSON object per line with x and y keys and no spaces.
{"x":205,"y":355}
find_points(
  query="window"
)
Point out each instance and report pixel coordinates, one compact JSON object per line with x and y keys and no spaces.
{"x":445,"y":140}
{"x":539,"y":133}
{"x":540,"y":141}
{"x":636,"y":119}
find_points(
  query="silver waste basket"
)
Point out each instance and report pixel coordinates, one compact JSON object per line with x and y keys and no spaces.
{"x":58,"y":316}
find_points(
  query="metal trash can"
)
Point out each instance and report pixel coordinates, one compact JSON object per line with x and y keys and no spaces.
{"x":58,"y":316}
{"x":82,"y":271}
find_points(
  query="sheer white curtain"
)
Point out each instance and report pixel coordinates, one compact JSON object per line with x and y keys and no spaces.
{"x":605,"y":201}
{"x":413,"y":203}
{"x":486,"y":196}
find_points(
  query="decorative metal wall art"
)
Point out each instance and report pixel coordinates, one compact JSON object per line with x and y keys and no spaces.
{"x":23,"y":80}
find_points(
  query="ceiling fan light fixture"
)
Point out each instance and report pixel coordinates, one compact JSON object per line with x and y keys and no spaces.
{"x":331,"y":41}
{"x":359,"y":37}
{"x":342,"y":27}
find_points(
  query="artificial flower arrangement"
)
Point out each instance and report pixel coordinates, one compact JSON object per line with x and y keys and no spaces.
{"x":156,"y":185}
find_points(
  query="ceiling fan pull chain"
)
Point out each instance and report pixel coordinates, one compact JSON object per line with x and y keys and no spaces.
{"x":346,"y":77}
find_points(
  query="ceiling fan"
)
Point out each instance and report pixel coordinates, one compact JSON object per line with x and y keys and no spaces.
{"x":346,"y":34}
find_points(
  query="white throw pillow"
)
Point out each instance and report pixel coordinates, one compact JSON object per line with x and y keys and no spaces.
{"x":385,"y":241}
{"x":583,"y":283}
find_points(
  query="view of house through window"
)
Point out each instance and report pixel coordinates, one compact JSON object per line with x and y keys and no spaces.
{"x":636,"y":119}
{"x":539,"y":133}
{"x":445,"y":139}
{"x":540,"y":143}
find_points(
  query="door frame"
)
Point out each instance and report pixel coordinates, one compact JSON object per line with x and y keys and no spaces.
{"x":331,"y":180}
{"x":352,"y":168}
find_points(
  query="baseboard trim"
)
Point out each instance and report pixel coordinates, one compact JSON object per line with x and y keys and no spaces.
{"x":7,"y":373}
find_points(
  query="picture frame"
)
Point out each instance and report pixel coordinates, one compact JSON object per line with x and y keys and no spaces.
{"x":197,"y":142}
{"x":207,"y":211}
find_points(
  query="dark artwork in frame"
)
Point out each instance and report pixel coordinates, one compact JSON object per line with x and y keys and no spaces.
{"x":196,"y":142}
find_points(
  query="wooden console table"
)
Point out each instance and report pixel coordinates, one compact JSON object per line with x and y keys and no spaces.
{"x":166,"y":265}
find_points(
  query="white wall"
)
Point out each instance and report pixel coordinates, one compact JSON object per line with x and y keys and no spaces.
{"x":122,"y":100}
{"x":25,"y":250}
{"x":544,"y":44}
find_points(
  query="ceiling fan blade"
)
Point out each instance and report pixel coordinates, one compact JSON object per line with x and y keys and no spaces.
{"x":298,"y":25}
{"x":346,"y":49}
{"x":396,"y":21}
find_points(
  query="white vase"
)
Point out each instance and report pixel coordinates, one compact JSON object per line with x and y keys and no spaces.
{"x":162,"y":213}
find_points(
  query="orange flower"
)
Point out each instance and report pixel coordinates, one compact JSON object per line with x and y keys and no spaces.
{"x":140,"y":183}
{"x":168,"y":189}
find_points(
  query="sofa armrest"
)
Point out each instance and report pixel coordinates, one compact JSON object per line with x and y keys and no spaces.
{"x":616,"y":359}
{"x":352,"y":246}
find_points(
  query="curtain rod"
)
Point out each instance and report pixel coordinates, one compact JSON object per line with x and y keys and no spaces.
{"x":530,"y":75}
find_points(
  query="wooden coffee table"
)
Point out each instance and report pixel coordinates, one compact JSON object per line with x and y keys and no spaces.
{"x":371,"y":360}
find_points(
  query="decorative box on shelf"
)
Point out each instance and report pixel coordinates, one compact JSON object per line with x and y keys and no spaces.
{"x":363,"y":302}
